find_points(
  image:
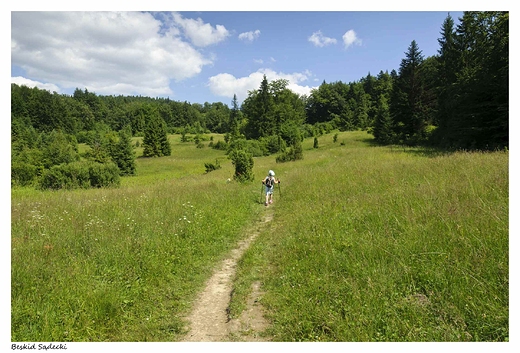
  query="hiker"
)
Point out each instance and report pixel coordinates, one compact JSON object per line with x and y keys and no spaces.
{"x":269,"y":182}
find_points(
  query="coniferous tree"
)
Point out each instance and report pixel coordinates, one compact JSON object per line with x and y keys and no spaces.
{"x":474,"y":108}
{"x":243,"y":162}
{"x":369,"y":86}
{"x":383,"y":125}
{"x":407,"y":104}
{"x":234,"y":117}
{"x":257,"y":107}
{"x":155,"y":141}
{"x":449,"y":65}
{"x":123,"y":153}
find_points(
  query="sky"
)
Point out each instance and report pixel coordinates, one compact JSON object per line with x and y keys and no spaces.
{"x":209,"y":56}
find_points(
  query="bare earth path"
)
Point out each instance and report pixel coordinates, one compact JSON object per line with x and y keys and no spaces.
{"x":209,"y":319}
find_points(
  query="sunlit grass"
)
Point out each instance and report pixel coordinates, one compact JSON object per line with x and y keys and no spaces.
{"x":387,"y":244}
{"x":122,"y":264}
{"x":367,"y":244}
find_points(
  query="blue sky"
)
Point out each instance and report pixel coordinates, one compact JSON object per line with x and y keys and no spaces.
{"x":207,"y":56}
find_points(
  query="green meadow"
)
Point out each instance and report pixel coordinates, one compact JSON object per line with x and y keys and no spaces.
{"x":367,"y":243}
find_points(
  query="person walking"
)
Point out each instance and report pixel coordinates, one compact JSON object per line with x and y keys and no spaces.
{"x":269,"y":182}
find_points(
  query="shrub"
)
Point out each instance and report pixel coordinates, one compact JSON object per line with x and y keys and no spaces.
{"x":211,"y":167}
{"x":273,"y":144}
{"x":256,"y":148}
{"x":82,"y":174}
{"x":23,"y":173}
{"x":58,"y":148}
{"x":293,"y":154}
{"x":243,"y":163}
{"x":104,"y":175}
{"x":66,"y":176}
{"x":220,"y":145}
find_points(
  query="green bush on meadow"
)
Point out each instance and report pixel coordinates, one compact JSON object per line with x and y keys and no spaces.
{"x":80,"y":175}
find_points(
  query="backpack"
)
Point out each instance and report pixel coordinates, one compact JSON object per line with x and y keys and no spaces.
{"x":268,"y":182}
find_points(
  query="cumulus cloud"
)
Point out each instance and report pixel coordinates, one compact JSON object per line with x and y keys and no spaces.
{"x":22,"y":81}
{"x":249,"y":36}
{"x":226,"y":85}
{"x":319,"y":40}
{"x":350,"y":38}
{"x":106,"y":52}
{"x":199,"y":33}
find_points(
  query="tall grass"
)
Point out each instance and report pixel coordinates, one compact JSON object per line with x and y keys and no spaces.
{"x":386,"y":244}
{"x":367,"y":244}
{"x":122,"y":264}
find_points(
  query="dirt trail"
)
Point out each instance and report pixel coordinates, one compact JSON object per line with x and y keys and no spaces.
{"x":209,"y":319}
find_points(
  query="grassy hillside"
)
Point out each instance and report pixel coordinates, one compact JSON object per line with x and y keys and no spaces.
{"x":368,"y":243}
{"x":386,"y":244}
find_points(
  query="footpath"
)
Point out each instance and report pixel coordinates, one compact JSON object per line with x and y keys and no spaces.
{"x":209,"y":320}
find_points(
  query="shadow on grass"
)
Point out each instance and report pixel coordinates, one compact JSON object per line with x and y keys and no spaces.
{"x":423,"y":151}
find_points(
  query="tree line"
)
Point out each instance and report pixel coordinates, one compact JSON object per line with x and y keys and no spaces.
{"x":456,"y":99}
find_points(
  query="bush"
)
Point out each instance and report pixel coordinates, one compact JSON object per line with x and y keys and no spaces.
{"x":23,"y":173}
{"x":220,"y":145}
{"x":84,"y":174}
{"x":256,"y":148}
{"x":211,"y":167}
{"x":66,"y":176}
{"x":58,"y":148}
{"x":243,"y":163}
{"x":293,"y":154}
{"x":273,"y":144}
{"x":104,"y":175}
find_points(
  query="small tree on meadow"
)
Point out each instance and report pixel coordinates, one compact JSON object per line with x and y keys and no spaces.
{"x":155,"y":140}
{"x":243,"y":163}
{"x":123,"y":154}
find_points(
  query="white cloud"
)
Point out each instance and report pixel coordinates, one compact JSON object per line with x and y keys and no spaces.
{"x":350,"y":38}
{"x":226,"y":85}
{"x":319,"y":40}
{"x":22,"y":81}
{"x":201,"y":34}
{"x":249,"y":36}
{"x":106,"y":52}
{"x":258,"y":61}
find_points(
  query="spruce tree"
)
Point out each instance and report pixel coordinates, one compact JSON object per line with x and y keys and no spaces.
{"x":243,"y":162}
{"x":155,"y":141}
{"x":383,"y":127}
{"x":234,"y":117}
{"x":408,"y":96}
{"x":124,"y":155}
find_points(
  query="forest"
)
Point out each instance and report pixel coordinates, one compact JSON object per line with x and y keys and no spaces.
{"x":457,"y":99}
